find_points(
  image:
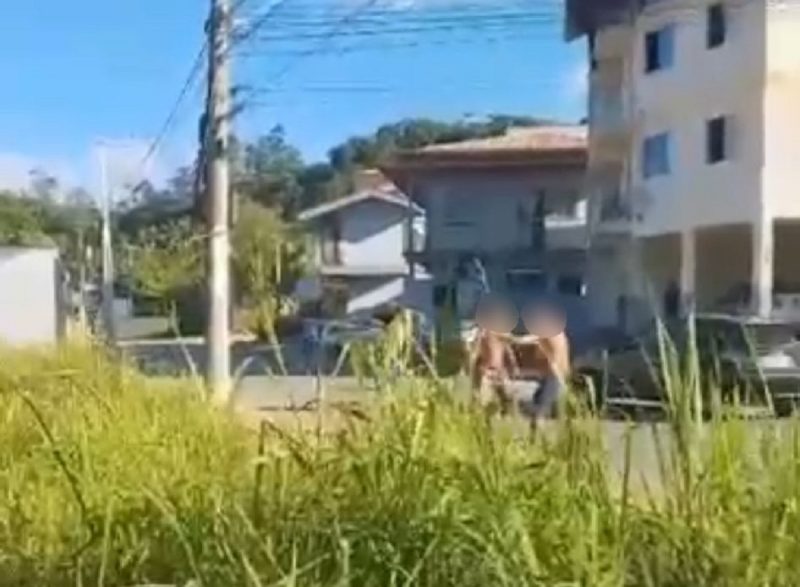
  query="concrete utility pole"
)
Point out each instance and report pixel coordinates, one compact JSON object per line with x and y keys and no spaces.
{"x":107,"y":291}
{"x":218,"y":189}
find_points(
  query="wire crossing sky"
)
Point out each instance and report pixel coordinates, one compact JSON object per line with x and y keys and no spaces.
{"x":323,"y":69}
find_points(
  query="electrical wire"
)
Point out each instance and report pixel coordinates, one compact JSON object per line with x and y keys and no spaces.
{"x":194,"y":71}
{"x":527,"y":22}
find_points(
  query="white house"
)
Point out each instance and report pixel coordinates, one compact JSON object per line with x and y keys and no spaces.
{"x":359,"y":244}
{"x":32,"y":304}
{"x":693,"y":154}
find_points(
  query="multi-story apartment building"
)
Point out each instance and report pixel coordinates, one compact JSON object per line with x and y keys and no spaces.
{"x":694,"y":154}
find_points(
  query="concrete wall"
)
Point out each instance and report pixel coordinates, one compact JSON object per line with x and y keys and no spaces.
{"x":724,"y":260}
{"x":491,"y":210}
{"x":782,"y":127}
{"x":701,"y":84}
{"x":607,"y":279}
{"x":373,"y":233}
{"x":370,"y":293}
{"x":787,"y":249}
{"x":30,"y":312}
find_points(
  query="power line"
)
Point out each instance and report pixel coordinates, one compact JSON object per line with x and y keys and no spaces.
{"x":526,"y":22}
{"x":321,"y":46}
{"x":298,"y":9}
{"x":194,"y":71}
{"x":377,"y":18}
{"x":390,"y":45}
{"x":259,"y":22}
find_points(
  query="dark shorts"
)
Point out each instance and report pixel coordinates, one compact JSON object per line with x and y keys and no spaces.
{"x":542,"y":401}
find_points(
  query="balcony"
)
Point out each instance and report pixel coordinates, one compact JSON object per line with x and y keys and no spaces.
{"x":614,"y":214}
{"x":330,"y":253}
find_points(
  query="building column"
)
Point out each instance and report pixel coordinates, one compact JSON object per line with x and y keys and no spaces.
{"x":688,"y":271}
{"x":763,"y":276}
{"x":410,"y":248}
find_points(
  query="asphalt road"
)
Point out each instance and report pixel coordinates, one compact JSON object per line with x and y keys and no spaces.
{"x":648,"y":442}
{"x":263,"y":391}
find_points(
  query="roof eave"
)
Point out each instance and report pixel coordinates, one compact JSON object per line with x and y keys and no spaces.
{"x":456,"y":159}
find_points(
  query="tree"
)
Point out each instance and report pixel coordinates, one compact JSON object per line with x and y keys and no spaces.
{"x":166,"y":260}
{"x":43,"y":186}
{"x":268,"y":172}
{"x":269,"y":257}
{"x":20,"y":225}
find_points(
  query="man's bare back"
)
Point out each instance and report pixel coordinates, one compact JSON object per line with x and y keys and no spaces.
{"x":493,"y":362}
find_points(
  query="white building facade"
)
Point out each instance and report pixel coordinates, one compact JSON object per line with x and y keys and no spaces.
{"x":359,"y":245}
{"x":694,"y":158}
{"x":32,"y":301}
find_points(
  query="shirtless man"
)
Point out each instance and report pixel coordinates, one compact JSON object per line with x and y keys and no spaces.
{"x":547,"y":349}
{"x":492,"y":360}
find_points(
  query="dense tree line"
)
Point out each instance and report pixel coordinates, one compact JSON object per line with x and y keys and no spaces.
{"x":159,"y":234}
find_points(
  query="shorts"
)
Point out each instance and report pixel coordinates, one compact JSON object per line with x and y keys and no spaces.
{"x":541,"y":398}
{"x":492,"y":390}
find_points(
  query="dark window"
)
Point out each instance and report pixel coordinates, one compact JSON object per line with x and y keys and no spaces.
{"x":717,"y":30}
{"x":440,"y":295}
{"x":526,"y":280}
{"x":570,"y":285}
{"x":659,"y":49}
{"x":716,"y":140}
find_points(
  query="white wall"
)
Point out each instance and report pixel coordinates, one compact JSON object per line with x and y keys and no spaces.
{"x":701,"y":84}
{"x":606,"y":281}
{"x":782,"y":95}
{"x":373,"y":233}
{"x":369,"y":293}
{"x":29,"y":312}
{"x":495,"y":207}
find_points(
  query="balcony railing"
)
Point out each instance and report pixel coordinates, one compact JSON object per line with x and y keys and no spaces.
{"x":414,"y":242}
{"x":330,"y":253}
{"x":614,"y":209}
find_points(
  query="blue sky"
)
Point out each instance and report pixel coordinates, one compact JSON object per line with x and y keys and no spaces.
{"x":89,"y":69}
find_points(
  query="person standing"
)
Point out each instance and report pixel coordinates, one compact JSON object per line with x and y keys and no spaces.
{"x":311,"y":346}
{"x":492,"y":361}
{"x":546,"y":356}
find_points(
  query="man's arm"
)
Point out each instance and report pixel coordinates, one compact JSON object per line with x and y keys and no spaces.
{"x":472,"y":357}
{"x":525,"y":339}
{"x":513,"y":364}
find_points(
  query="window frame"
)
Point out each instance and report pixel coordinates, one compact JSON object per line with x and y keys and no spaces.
{"x":659,"y":168}
{"x":659,"y":49}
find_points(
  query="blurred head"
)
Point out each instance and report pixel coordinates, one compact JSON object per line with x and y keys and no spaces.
{"x":544,"y":319}
{"x":495,"y":314}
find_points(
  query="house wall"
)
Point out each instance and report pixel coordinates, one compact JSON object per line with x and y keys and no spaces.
{"x":715,"y":278}
{"x":782,"y":115}
{"x":30,"y":298}
{"x":368,"y":293}
{"x":607,"y":279}
{"x":754,"y":78}
{"x":491,"y":213}
{"x":373,"y":234}
{"x":491,"y":210}
{"x":701,"y":84}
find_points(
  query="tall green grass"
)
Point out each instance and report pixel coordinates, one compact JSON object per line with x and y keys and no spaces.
{"x":108,"y":478}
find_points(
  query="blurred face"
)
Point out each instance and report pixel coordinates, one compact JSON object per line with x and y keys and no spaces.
{"x":496,"y":316}
{"x":544,"y":320}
